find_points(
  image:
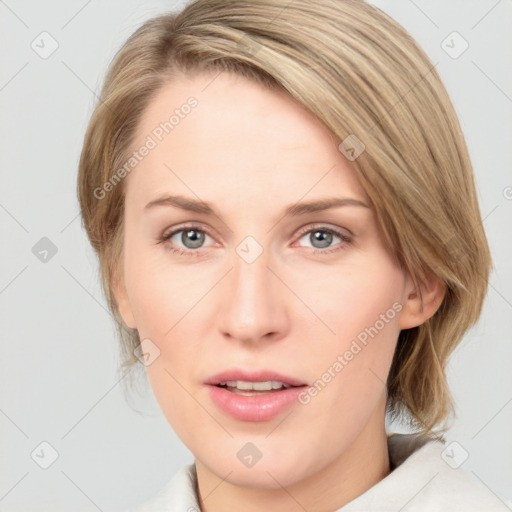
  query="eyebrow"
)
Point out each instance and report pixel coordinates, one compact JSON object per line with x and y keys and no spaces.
{"x":300,"y":208}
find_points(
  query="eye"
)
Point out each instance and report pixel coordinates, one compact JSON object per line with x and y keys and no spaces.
{"x":321,"y":239}
{"x":186,"y":239}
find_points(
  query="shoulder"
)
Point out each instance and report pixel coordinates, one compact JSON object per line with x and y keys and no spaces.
{"x":179,"y":495}
{"x":426,"y":477}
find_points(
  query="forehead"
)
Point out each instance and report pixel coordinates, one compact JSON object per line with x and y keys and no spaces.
{"x":229,"y":107}
{"x":237,"y":134}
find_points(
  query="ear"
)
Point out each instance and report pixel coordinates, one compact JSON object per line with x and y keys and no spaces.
{"x":123,"y":303}
{"x":421,"y":300}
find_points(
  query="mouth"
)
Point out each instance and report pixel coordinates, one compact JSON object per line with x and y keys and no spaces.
{"x":254,"y":396}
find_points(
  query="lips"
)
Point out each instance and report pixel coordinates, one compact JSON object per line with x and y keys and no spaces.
{"x":253,"y":406}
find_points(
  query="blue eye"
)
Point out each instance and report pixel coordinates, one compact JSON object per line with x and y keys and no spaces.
{"x":191,"y":237}
{"x":321,"y":238}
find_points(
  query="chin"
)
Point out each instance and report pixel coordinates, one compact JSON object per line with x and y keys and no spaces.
{"x":280,"y":464}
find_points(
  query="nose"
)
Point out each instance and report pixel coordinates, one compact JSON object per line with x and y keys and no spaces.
{"x":253,"y":303}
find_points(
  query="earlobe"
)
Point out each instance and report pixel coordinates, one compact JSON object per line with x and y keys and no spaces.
{"x":123,"y":303}
{"x":421,"y":301}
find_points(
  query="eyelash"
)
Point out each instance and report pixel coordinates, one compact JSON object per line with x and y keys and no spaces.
{"x":344,"y":239}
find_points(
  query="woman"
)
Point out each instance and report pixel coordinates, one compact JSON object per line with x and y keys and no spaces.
{"x":284,"y":212}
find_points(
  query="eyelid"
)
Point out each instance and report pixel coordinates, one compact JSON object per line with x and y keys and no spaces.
{"x":323,"y":226}
{"x":188,"y":225}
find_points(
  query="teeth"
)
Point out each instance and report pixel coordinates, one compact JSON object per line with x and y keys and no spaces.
{"x":258,"y":386}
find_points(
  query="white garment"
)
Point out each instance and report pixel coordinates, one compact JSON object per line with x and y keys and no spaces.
{"x":420,"y":481}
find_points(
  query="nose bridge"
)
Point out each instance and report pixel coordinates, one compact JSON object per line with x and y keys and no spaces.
{"x":252,"y":308}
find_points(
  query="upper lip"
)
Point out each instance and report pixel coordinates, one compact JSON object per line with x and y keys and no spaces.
{"x":253,"y":376}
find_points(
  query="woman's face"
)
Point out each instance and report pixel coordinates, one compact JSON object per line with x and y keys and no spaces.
{"x":249,"y":280}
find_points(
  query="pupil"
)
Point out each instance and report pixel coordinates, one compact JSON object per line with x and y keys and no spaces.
{"x":192,"y":238}
{"x":323,"y":237}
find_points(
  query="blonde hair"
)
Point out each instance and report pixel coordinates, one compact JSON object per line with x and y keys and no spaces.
{"x":360,"y":73}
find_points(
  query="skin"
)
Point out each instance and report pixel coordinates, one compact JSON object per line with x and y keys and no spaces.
{"x":250,"y":152}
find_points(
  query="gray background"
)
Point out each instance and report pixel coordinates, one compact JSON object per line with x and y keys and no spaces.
{"x":58,"y":373}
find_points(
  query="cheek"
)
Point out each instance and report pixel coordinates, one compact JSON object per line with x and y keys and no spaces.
{"x":359,"y":300}
{"x":162,"y":293}
{"x":359,"y":308}
{"x":166,"y":301}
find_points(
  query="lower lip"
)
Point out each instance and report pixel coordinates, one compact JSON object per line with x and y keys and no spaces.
{"x":261,"y":407}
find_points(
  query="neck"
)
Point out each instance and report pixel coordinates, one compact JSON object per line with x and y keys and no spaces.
{"x":364,"y":464}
